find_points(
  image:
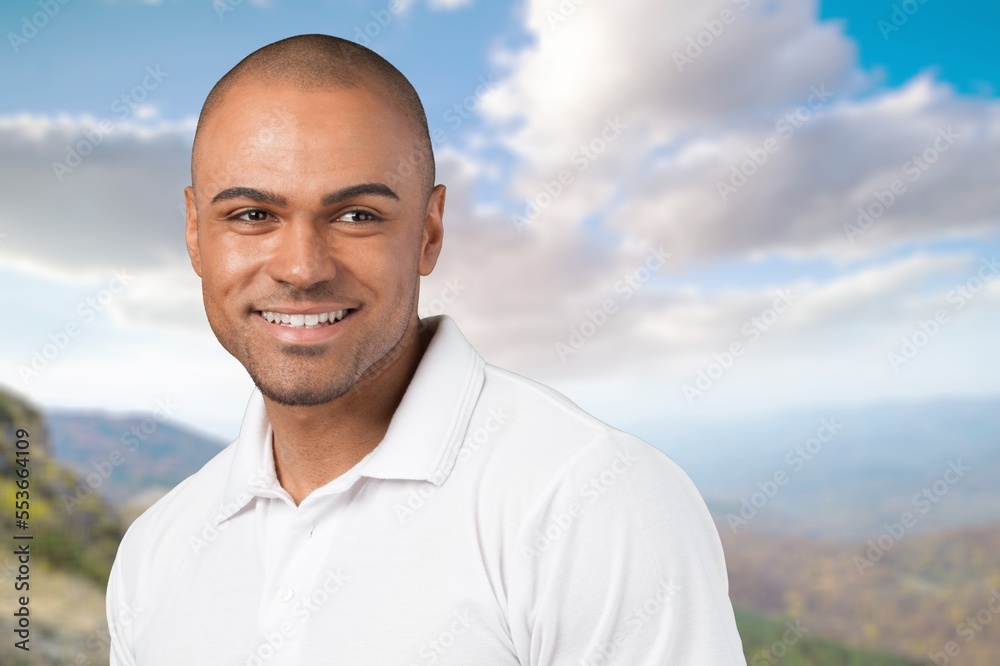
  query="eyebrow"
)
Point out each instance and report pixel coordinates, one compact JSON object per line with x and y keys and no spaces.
{"x":253,"y":194}
{"x":351,"y":191}
{"x":274,"y":199}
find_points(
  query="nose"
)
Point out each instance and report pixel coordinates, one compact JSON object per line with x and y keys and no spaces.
{"x":302,"y":255}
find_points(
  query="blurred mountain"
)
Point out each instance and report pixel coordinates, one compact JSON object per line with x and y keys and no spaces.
{"x":795,"y":560}
{"x":844,"y":472}
{"x":912,"y":596}
{"x":128,"y":459}
{"x":837,"y":474}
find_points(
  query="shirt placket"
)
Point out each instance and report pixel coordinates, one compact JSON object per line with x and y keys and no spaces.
{"x":301,"y":572}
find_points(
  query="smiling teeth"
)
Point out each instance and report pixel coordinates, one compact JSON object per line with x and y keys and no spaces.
{"x":304,"y":320}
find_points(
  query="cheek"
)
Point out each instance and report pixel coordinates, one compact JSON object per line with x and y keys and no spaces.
{"x":214,"y":295}
{"x":399,"y":270}
{"x":227,"y":265}
{"x":387,"y":264}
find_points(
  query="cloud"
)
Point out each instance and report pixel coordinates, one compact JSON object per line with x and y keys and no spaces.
{"x":518,"y":300}
{"x":402,"y":6}
{"x":698,"y":90}
{"x":600,"y":61}
{"x":670,"y":135}
{"x":448,"y":5}
{"x":853,"y":178}
{"x":117,"y":205}
{"x":619,"y":149}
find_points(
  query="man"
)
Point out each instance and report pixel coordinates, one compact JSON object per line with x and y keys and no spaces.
{"x":391,"y":499}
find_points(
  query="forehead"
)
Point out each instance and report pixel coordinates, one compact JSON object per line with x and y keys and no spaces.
{"x":283,"y":137}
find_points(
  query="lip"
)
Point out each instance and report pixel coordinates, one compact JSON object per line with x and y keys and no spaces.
{"x":298,"y":309}
{"x":304,"y":336}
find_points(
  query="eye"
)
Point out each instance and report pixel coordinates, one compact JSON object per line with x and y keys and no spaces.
{"x":252,"y":216}
{"x":359,"y":216}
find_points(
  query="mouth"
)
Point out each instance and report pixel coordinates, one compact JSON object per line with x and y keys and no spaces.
{"x":305,"y":328}
{"x":299,"y":320}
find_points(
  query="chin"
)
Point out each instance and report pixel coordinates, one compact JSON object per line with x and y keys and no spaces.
{"x":300,"y":396}
{"x":299,"y":384}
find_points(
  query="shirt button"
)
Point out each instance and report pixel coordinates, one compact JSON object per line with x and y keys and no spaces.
{"x":286,"y":594}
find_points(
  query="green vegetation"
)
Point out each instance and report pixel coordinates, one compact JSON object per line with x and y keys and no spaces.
{"x":79,"y":537}
{"x":768,"y":642}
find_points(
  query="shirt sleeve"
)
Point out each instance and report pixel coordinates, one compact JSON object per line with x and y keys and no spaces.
{"x":619,"y":562}
{"x":121,"y":615}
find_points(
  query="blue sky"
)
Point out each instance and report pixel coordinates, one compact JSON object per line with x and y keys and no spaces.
{"x":555,"y":80}
{"x":956,"y":39}
{"x":79,"y":55}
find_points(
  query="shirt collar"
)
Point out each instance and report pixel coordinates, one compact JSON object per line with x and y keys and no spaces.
{"x":421,"y":443}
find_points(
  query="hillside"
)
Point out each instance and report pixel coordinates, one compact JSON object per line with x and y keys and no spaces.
{"x":71,"y":550}
{"x":78,"y":537}
{"x":911,"y":600}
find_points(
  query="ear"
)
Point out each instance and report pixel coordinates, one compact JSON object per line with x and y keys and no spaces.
{"x":191,"y":230}
{"x":433,"y":234}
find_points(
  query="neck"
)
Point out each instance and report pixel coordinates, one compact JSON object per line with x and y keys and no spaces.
{"x":316,"y":444}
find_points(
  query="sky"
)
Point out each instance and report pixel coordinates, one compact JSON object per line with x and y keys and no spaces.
{"x":669,"y":211}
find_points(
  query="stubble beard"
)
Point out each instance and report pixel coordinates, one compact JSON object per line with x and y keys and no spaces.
{"x":289,"y":383}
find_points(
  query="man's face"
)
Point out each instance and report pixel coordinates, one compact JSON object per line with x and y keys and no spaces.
{"x":298,"y":216}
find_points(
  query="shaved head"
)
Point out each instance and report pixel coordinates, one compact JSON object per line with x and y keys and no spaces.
{"x":320,"y":62}
{"x":311,"y":217}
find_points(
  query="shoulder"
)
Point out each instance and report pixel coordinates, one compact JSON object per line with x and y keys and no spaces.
{"x":598,"y":523}
{"x":190,"y":503}
{"x":543,"y":426}
{"x":548,"y":452}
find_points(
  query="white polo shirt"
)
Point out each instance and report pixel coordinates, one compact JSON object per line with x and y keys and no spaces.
{"x":496,"y":523}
